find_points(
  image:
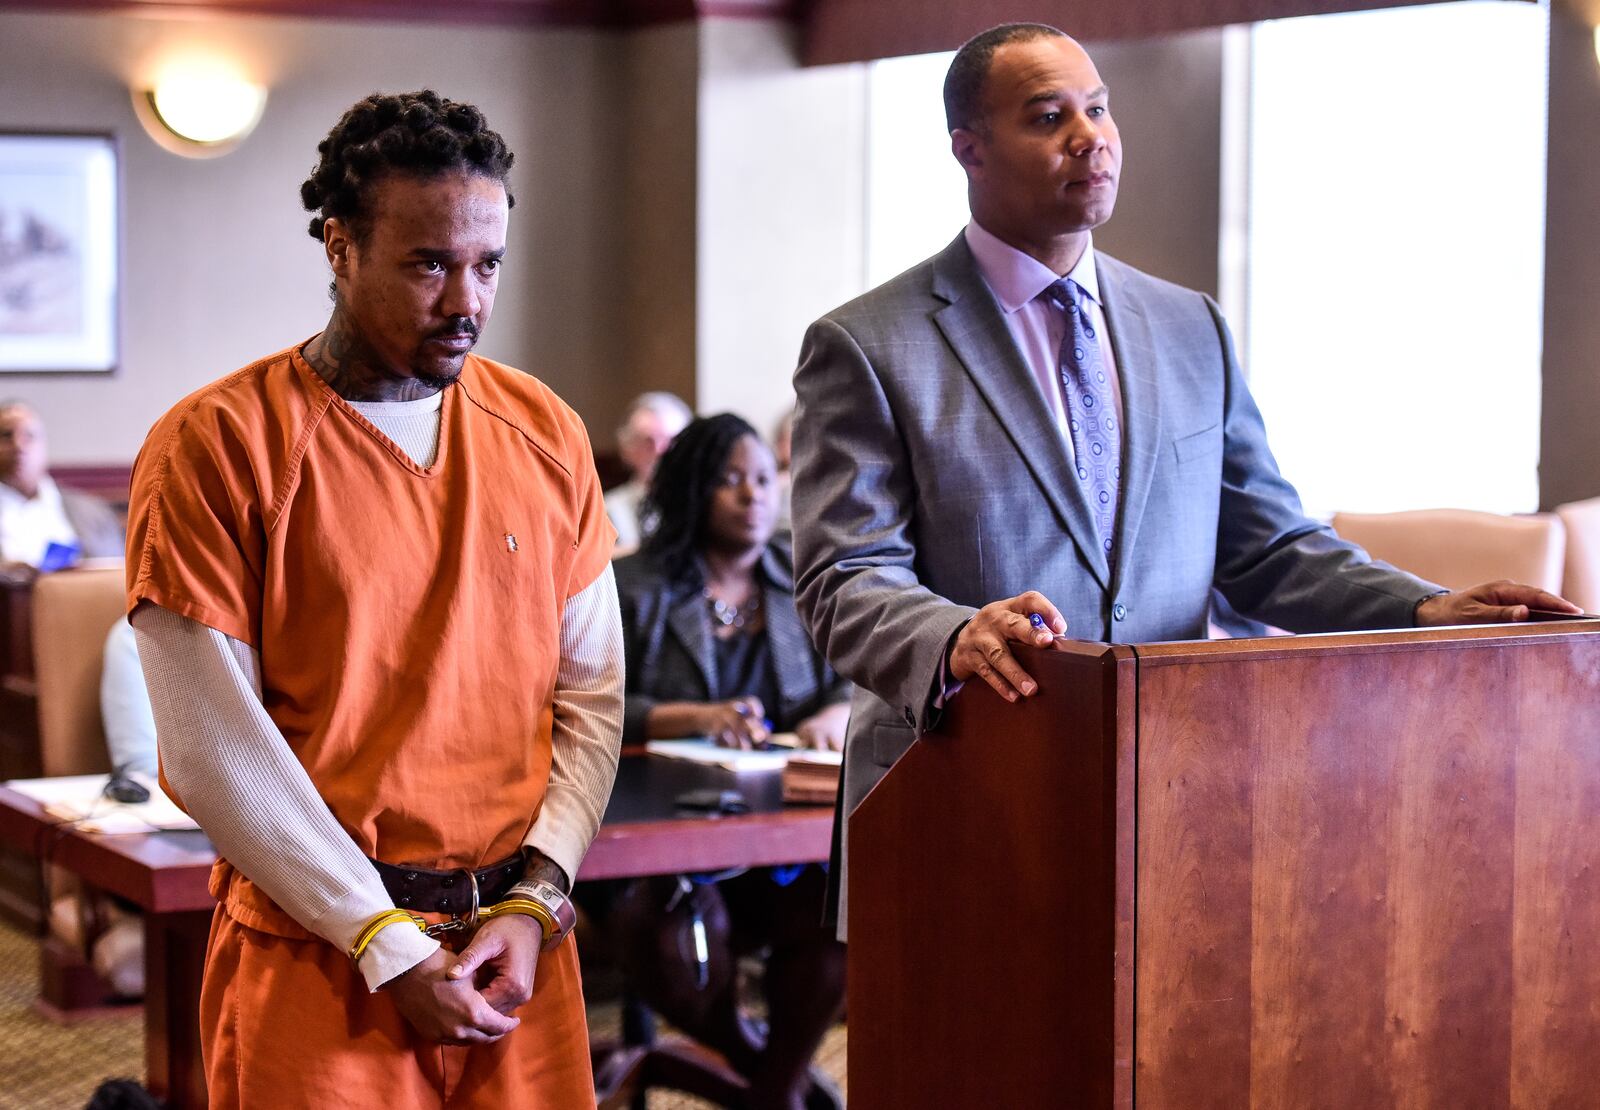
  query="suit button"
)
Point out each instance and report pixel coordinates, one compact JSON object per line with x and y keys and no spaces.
{"x":1119,"y":612}
{"x":911,"y":718}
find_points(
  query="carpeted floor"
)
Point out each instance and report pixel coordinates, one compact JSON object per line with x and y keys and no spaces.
{"x":45,"y":1066}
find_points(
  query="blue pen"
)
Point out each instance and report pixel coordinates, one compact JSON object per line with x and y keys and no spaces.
{"x":1038,"y":621}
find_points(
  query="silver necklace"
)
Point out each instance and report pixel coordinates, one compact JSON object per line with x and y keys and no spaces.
{"x":733,"y":616}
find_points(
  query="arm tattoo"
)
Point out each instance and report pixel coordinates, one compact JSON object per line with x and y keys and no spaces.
{"x":542,"y":867}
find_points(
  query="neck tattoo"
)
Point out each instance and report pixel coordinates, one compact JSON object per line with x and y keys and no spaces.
{"x":341,"y":359}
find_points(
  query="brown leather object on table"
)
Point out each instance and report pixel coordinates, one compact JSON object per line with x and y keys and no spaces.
{"x":1351,"y":870}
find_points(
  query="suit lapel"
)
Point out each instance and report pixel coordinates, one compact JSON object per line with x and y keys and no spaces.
{"x":1133,"y":344}
{"x":689,"y":623}
{"x":973,"y":326}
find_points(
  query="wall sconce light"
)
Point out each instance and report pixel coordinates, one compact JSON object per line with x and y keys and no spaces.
{"x":199,"y":110}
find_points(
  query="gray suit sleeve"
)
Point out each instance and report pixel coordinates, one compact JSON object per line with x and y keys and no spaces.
{"x":1276,"y":564}
{"x":856,"y":584}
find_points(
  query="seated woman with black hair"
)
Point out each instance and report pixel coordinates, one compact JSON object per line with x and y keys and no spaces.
{"x":716,"y":649}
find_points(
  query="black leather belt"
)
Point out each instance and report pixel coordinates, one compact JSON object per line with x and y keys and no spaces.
{"x":459,"y":892}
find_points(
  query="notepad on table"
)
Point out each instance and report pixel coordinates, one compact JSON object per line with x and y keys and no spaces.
{"x":732,"y":759}
{"x":81,"y":801}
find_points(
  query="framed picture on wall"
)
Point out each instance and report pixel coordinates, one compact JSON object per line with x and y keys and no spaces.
{"x":58,"y":253}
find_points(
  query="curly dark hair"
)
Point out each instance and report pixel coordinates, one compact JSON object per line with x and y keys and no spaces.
{"x":675,"y":508}
{"x":416,"y":133}
{"x":969,"y":69}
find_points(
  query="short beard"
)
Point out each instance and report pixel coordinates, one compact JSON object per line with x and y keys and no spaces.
{"x":438,"y":381}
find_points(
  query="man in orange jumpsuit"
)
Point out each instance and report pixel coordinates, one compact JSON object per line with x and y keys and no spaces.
{"x":369,"y":577}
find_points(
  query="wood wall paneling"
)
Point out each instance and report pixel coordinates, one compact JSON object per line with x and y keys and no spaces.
{"x":857,"y":31}
{"x":570,"y":13}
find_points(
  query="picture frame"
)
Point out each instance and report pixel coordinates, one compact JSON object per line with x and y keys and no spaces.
{"x":59,"y":252}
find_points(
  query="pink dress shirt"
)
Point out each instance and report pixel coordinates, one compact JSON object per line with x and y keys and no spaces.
{"x":1018,"y":282}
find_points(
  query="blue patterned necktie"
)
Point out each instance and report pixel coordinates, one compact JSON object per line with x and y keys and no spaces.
{"x":1091,"y":415}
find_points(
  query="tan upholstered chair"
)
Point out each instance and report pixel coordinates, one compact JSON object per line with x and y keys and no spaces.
{"x":1582,"y":583}
{"x":1459,"y":548}
{"x":72,"y":613}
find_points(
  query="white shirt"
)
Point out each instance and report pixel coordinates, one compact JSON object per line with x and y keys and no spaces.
{"x":622,"y":506}
{"x":1037,"y":325}
{"x":29,"y":525}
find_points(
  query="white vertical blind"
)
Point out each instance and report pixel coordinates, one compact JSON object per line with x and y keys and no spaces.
{"x":1396,"y":254}
{"x":916,"y":192}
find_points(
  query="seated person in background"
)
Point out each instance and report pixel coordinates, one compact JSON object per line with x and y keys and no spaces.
{"x":35,"y":513}
{"x":125,"y":705}
{"x":715,"y":648}
{"x":648,"y":427}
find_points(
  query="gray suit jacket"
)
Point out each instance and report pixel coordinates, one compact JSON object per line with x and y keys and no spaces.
{"x":930,"y":479}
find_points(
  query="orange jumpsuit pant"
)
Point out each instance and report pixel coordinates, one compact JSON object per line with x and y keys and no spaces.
{"x":290,"y":1023}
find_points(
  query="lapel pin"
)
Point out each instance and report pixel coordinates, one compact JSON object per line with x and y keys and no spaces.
{"x":511,"y":542}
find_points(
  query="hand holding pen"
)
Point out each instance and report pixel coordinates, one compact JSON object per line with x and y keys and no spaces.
{"x":983,"y":648}
{"x":739,"y":723}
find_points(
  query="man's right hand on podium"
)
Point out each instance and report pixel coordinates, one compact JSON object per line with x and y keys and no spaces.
{"x":983,"y":647}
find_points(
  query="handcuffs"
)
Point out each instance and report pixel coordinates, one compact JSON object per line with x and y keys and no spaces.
{"x":537,"y":898}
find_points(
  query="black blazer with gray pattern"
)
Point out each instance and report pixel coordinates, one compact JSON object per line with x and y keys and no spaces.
{"x":671,"y":655}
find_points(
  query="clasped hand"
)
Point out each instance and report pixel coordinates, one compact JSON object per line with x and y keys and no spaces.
{"x":469,"y":999}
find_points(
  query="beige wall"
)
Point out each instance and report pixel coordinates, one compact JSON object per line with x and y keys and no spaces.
{"x":217,"y":266}
{"x":781,"y":210}
{"x":689,"y":198}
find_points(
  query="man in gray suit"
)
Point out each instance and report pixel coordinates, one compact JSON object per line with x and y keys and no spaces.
{"x":1022,"y":426}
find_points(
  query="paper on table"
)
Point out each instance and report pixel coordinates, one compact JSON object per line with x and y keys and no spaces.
{"x":733,"y":759}
{"x":81,"y":799}
{"x":799,"y":751}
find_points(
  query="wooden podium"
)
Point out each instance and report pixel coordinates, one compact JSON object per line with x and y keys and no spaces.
{"x":1323,"y":871}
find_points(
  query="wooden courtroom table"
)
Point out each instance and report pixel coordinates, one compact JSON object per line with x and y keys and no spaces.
{"x":166,"y":874}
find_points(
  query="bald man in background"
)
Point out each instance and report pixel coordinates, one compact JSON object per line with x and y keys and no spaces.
{"x":35,"y":512}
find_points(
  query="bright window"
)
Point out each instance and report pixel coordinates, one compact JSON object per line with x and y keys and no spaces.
{"x":1396,"y":253}
{"x":916,"y":192}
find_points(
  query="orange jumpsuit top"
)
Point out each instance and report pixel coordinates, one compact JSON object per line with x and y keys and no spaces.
{"x":407,"y":618}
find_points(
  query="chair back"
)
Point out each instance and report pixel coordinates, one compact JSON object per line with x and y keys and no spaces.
{"x":73,"y":611}
{"x":1459,"y":548}
{"x":1582,"y":584}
